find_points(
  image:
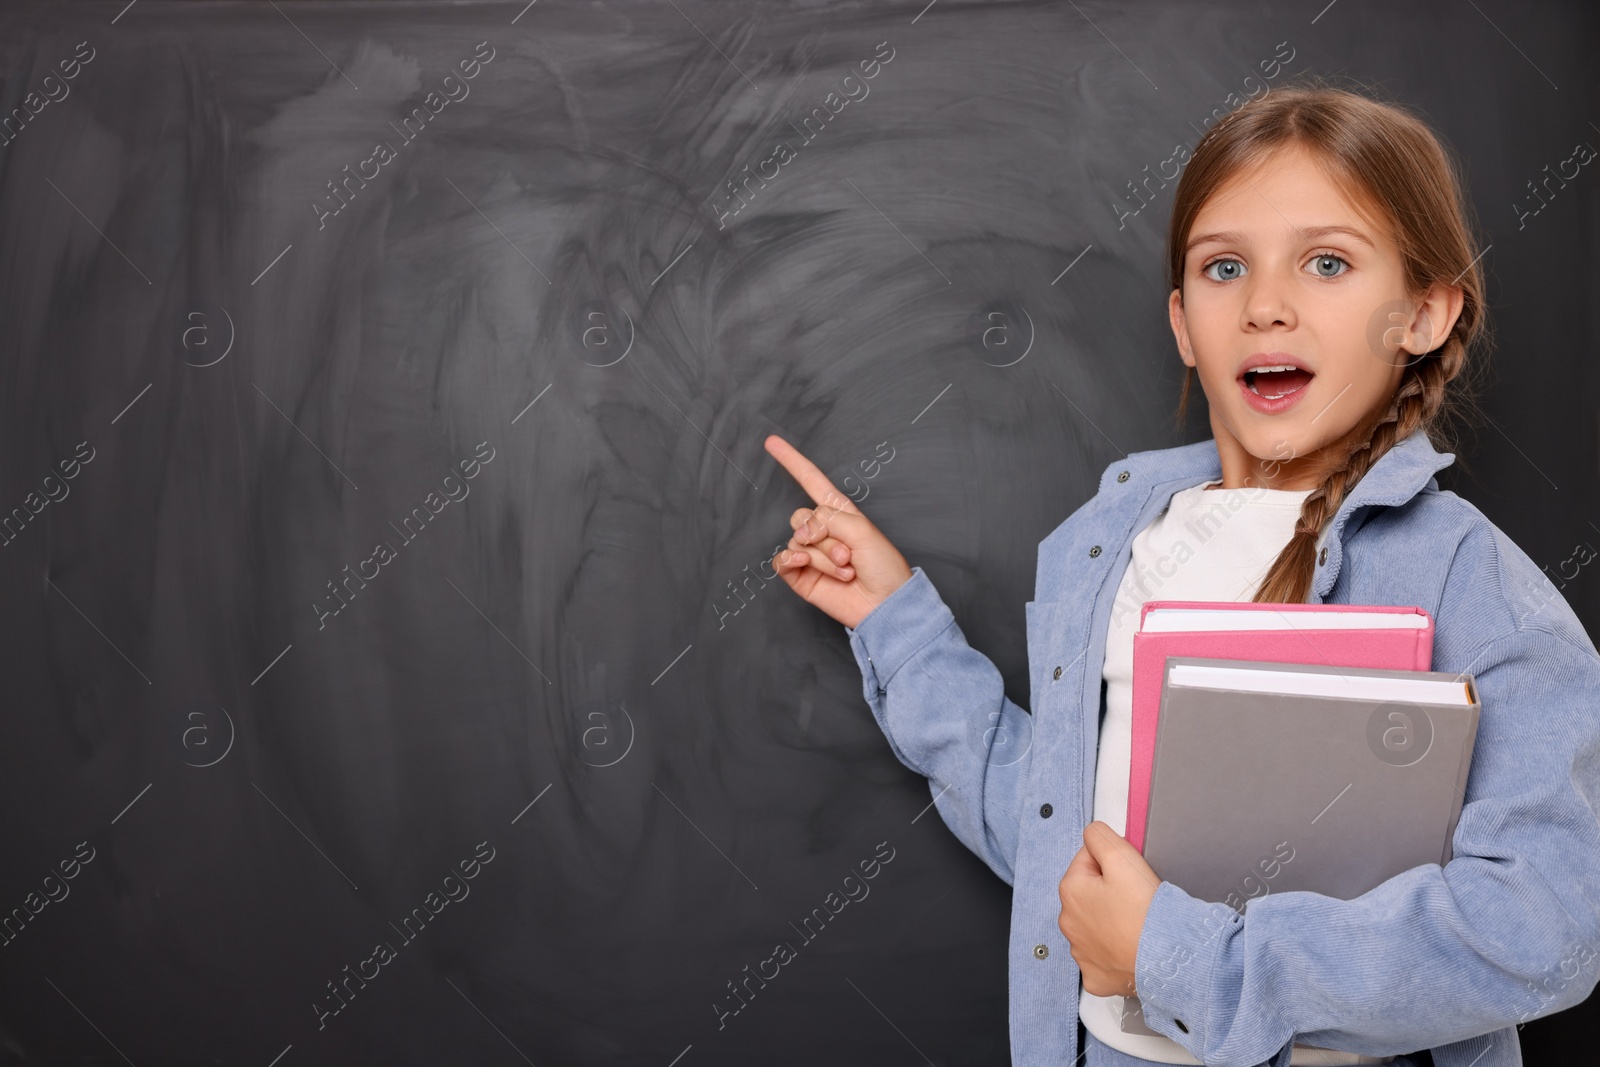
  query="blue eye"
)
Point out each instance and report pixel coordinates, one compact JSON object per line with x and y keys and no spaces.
{"x":1328,"y":265}
{"x":1232,"y":269}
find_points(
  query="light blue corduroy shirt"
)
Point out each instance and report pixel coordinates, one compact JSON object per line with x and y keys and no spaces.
{"x":1447,"y":958}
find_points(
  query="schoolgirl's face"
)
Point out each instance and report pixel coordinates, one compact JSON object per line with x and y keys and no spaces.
{"x":1284,"y":271}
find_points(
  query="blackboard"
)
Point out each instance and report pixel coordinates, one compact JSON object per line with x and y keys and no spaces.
{"x":391,"y":673}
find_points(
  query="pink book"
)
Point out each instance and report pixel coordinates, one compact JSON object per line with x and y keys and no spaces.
{"x":1338,"y":635}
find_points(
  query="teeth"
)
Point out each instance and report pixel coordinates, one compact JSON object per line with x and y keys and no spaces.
{"x":1253,"y":381}
{"x":1253,"y":376}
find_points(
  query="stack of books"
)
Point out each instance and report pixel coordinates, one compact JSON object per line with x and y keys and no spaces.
{"x":1283,"y":747}
{"x":1293,"y":747}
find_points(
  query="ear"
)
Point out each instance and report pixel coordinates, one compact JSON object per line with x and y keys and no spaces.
{"x":1434,"y":318}
{"x":1180,"y":328}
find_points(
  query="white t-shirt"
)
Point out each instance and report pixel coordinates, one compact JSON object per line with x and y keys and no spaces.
{"x":1209,"y":544}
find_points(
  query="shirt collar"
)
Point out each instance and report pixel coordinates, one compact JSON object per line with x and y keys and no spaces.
{"x":1397,"y":476}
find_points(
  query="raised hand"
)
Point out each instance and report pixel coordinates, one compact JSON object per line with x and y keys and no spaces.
{"x":837,"y":560}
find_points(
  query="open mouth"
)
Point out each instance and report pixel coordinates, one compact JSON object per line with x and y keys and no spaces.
{"x":1271,"y":383}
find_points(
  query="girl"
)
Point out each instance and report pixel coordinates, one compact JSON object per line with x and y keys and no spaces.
{"x":1326,"y":290}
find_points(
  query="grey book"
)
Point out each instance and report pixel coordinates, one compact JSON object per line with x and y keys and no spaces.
{"x":1270,"y":777}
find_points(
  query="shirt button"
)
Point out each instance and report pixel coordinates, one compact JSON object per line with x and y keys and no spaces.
{"x":1045,"y":811}
{"x":1122,"y":476}
{"x":1322,"y":557}
{"x":1182,"y":1027}
{"x":1058,"y":674}
{"x":1095,"y":551}
{"x":1041,"y":951}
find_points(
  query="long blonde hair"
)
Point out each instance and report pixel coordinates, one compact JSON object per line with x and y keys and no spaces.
{"x":1384,"y":155}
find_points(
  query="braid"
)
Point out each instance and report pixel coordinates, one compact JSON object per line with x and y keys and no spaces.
{"x":1415,"y":406}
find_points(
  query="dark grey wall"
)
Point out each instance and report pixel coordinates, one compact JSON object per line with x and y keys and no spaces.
{"x":253,"y":392}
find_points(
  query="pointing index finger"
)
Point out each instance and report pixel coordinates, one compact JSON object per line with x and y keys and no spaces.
{"x":812,"y":480}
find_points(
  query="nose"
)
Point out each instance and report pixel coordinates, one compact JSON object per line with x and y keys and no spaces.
{"x":1266,"y":302}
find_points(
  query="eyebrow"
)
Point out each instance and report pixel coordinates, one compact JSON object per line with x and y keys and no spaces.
{"x":1230,"y":237}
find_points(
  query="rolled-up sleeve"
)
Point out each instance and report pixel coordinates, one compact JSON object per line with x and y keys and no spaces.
{"x":1507,"y":931}
{"x":941,"y":704}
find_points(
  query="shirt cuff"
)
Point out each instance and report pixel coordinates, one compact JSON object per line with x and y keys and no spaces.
{"x":899,"y":627}
{"x":1179,"y":946}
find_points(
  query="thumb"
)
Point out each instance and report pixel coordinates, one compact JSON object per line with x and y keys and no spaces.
{"x":1103,"y":842}
{"x":850,"y":527}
